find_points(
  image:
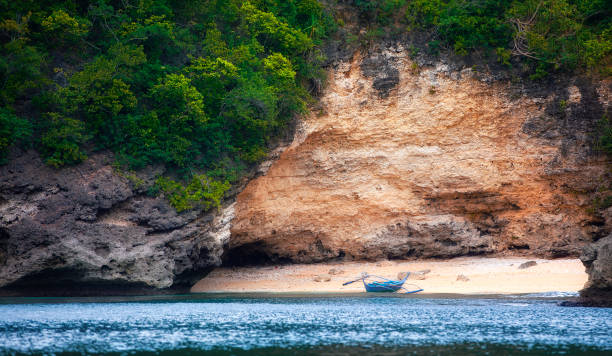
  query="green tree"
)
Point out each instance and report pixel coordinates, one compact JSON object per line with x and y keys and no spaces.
{"x":179,"y":107}
{"x":61,"y":143}
{"x":13,"y":130}
{"x":269,"y":29}
{"x":60,"y":27}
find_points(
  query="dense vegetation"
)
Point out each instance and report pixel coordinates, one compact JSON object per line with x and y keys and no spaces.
{"x":547,"y":35}
{"x":195,"y":85}
{"x":203,"y":86}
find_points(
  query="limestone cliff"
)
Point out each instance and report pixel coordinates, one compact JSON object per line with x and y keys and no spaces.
{"x":91,"y":230}
{"x":401,"y":158}
{"x":404,"y":159}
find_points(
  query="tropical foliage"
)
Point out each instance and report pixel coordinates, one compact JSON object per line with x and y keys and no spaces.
{"x":204,"y":86}
{"x":198,"y":85}
{"x":548,"y":35}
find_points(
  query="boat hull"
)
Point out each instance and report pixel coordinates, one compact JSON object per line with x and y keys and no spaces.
{"x":377,"y":287}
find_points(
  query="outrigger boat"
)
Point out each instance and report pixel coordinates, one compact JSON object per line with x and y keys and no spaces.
{"x":381,"y":284}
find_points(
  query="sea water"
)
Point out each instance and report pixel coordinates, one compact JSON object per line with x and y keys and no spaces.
{"x":302,"y":325}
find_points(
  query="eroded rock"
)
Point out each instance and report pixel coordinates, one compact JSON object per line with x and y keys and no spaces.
{"x":381,"y":68}
{"x":597,"y":258}
{"x":527,"y":264}
{"x":87,"y":228}
{"x":469,"y":168}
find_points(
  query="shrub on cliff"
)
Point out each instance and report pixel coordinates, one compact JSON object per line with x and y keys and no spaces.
{"x":201,"y":192}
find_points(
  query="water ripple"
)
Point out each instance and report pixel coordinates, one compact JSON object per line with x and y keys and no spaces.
{"x":260,"y":323}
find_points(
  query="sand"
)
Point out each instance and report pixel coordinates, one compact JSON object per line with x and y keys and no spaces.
{"x":484,"y":276}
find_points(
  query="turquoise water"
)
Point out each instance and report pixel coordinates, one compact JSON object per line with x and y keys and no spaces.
{"x":280,"y":325}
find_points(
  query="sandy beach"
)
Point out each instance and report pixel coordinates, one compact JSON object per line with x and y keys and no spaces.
{"x":482,"y":276}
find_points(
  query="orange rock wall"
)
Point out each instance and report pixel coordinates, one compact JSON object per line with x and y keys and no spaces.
{"x":442,"y":165}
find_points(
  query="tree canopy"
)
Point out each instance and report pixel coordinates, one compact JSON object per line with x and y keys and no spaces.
{"x":203,"y":86}
{"x":198,"y":85}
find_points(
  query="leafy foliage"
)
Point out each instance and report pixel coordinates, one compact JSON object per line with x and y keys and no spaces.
{"x":62,"y":140}
{"x":549,"y":34}
{"x":557,"y":33}
{"x":12,"y":130}
{"x":60,"y":26}
{"x":205,"y":85}
{"x":202,"y":192}
{"x":200,"y":86}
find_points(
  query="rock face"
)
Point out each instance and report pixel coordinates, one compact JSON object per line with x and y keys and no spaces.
{"x":597,"y":258}
{"x":87,"y":228}
{"x":404,"y":160}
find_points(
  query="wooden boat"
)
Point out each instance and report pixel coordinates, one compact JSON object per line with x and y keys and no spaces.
{"x":378,"y":284}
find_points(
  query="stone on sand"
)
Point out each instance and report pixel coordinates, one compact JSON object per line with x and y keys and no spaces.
{"x":321,"y":278}
{"x":335,"y":271}
{"x":527,"y":264}
{"x":462,"y":278}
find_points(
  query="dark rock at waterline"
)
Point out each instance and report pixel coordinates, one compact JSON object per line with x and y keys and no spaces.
{"x":586,"y":302}
{"x":88,"y":227}
{"x":597,"y":258}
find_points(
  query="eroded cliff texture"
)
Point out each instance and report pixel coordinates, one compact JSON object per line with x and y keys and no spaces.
{"x":90,"y":230}
{"x":406,"y":160}
{"x":597,"y":258}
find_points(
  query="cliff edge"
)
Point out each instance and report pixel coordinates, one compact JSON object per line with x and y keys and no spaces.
{"x":88,"y":229}
{"x":597,"y":258}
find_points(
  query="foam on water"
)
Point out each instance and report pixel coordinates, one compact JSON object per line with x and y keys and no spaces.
{"x":553,"y":295}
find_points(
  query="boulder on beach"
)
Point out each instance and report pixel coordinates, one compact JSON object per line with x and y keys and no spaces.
{"x":420,"y":275}
{"x":335,"y":271}
{"x":321,"y":278}
{"x":462,"y":278}
{"x":527,"y":264}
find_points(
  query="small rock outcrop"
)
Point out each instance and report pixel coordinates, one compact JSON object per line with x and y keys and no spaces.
{"x":335,"y":271}
{"x":420,"y":275}
{"x":382,"y":69}
{"x":462,"y":278}
{"x":527,"y":264}
{"x":88,"y":229}
{"x":597,"y":258}
{"x":321,"y":278}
